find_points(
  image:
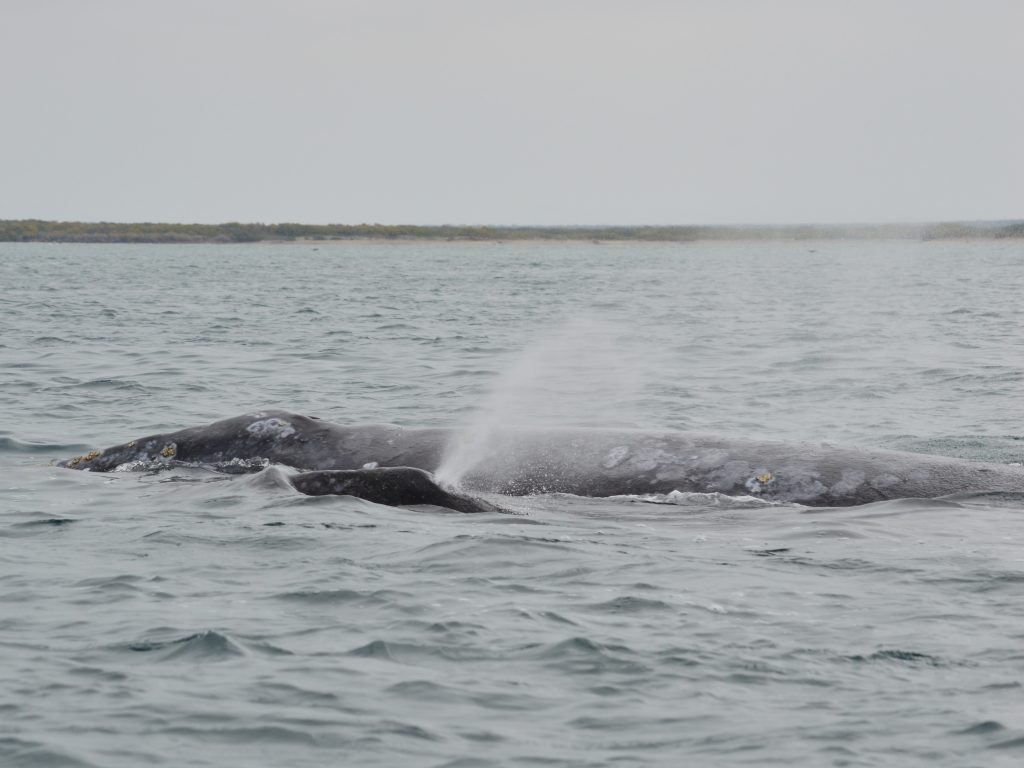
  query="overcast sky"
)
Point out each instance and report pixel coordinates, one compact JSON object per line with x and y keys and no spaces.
{"x":512,"y":112}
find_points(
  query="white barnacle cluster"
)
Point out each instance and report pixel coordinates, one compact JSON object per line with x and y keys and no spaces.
{"x":144,"y":462}
{"x":240,"y":466}
{"x":271,"y":428}
{"x":652,"y":456}
{"x":133,"y":466}
{"x":616,"y":456}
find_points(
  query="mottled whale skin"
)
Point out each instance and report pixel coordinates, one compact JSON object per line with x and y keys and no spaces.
{"x":585,"y":462}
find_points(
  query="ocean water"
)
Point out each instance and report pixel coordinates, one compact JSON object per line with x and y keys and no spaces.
{"x":192,"y":618}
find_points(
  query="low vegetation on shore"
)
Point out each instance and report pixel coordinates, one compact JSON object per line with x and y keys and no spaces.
{"x":35,"y":230}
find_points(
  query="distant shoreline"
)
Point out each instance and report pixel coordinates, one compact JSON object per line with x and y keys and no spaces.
{"x":35,"y":230}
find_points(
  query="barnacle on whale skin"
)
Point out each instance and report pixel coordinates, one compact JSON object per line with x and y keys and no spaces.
{"x":169,"y":450}
{"x":759,"y":482}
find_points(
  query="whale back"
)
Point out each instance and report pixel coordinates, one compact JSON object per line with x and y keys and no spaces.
{"x":585,"y":462}
{"x":278,"y":437}
{"x":600,"y":462}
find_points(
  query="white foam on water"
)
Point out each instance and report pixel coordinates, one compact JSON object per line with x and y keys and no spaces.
{"x":703,"y":500}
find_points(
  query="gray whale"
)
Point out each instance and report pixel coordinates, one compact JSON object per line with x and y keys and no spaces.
{"x":585,"y":462}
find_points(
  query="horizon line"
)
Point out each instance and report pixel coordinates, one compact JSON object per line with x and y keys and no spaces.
{"x":650,"y":225}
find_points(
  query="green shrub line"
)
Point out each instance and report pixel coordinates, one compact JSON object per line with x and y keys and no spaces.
{"x":36,"y":230}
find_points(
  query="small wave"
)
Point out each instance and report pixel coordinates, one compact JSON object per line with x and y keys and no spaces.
{"x":766,"y":552}
{"x":630,"y":604}
{"x":21,"y":753}
{"x":983,"y":580}
{"x":393,"y":728}
{"x":1017,"y":743}
{"x":207,"y":645}
{"x":342,"y":597}
{"x":377,"y":649}
{"x":303,"y":696}
{"x":425,"y":690}
{"x":124,"y":581}
{"x":38,"y":527}
{"x":97,"y":673}
{"x":13,"y":445}
{"x":536,"y":615}
{"x":399,"y":652}
{"x":998,"y":449}
{"x":984,"y":727}
{"x":581,"y":655}
{"x":108,"y":590}
{"x":117,"y":385}
{"x":845,"y":563}
{"x":44,"y":341}
{"x":273,"y":734}
{"x":902,"y":657}
{"x":511,"y":551}
{"x":987,"y":499}
{"x":46,"y":521}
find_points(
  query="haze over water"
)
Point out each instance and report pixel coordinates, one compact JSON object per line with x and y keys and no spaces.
{"x":192,"y":618}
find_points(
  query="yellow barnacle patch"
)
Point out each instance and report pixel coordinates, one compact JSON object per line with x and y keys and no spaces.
{"x":168,"y":451}
{"x":760,"y":483}
{"x":90,"y":455}
{"x":75,"y":461}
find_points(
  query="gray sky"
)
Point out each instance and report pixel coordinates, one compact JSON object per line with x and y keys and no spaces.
{"x":512,"y":112}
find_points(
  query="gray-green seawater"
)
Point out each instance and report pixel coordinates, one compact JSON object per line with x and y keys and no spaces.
{"x":191,"y":618}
